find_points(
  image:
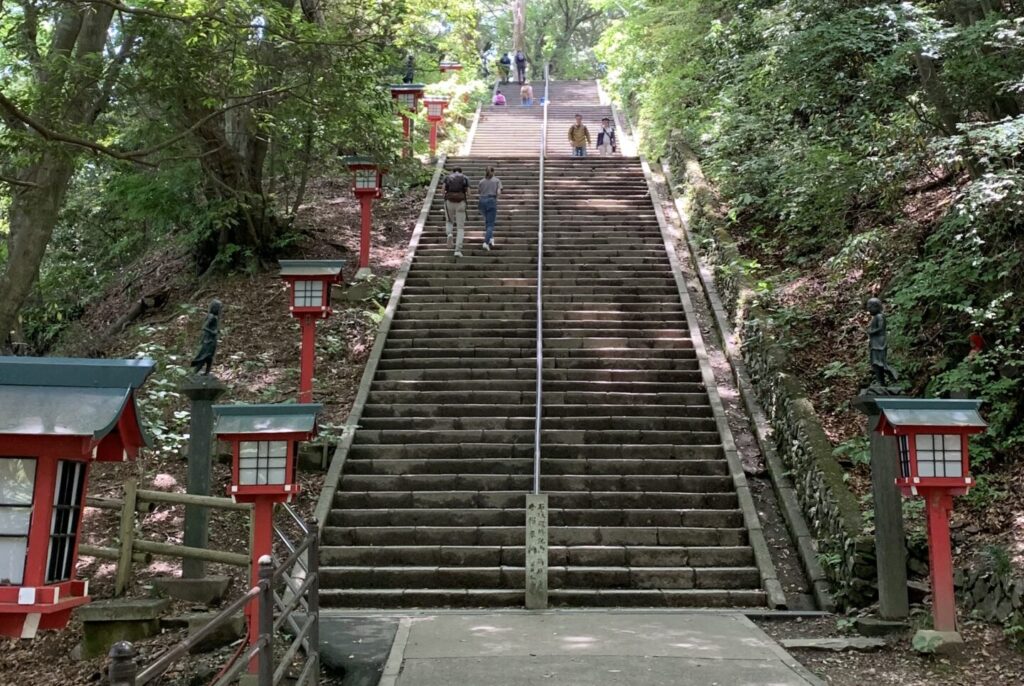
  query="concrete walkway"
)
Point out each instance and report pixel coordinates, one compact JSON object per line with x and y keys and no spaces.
{"x":586,"y":648}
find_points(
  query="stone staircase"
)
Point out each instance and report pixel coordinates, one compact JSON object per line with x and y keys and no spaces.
{"x":429,"y":511}
{"x":644,"y":510}
{"x":640,"y":490}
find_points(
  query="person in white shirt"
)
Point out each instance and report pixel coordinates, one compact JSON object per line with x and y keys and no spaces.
{"x":606,"y":143}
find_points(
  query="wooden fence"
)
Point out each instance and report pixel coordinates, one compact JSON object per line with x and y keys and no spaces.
{"x":134,"y":549}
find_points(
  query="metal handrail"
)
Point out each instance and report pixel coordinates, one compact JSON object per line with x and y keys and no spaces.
{"x":538,"y":401}
{"x":124,"y":671}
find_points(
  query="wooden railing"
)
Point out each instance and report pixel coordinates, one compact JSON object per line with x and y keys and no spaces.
{"x":131,"y":548}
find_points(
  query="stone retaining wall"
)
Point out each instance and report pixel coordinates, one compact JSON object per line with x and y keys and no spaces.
{"x":993,"y":596}
{"x":830,"y":508}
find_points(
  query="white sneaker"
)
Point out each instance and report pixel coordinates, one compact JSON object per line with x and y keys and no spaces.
{"x":491,"y":242}
{"x":486,"y":247}
{"x":449,"y":240}
{"x":458,"y":253}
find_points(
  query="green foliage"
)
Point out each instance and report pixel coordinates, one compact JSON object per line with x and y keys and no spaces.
{"x":879,"y":143}
{"x":211,"y":119}
{"x":926,"y":643}
{"x":856,"y":450}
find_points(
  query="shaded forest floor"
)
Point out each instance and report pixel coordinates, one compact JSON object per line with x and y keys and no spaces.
{"x":817,"y":295}
{"x":257,"y":360}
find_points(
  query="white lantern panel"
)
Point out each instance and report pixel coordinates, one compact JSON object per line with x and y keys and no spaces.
{"x":309,"y":294}
{"x":17,"y":480}
{"x":939,"y":455}
{"x":366,"y":178}
{"x":262,"y":463}
{"x":434,"y":109}
{"x":406,"y":100}
{"x":17,"y":483}
{"x":14,"y":521}
{"x":12,"y":560}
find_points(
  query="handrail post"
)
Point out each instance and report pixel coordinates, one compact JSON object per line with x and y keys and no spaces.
{"x":122,"y":670}
{"x":536,"y":503}
{"x":265,"y":662}
{"x":313,"y":602}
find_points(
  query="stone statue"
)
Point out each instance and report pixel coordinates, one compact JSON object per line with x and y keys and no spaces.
{"x":208,"y":340}
{"x":410,"y":69}
{"x":879,"y":347}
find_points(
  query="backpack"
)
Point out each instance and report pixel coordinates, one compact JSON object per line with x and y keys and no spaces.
{"x":455,"y":186}
{"x":520,"y":58}
{"x":505,"y":60}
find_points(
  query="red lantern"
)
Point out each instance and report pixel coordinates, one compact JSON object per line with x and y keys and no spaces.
{"x":445,"y":67}
{"x":435,"y":114}
{"x":263,"y":453}
{"x":932,"y":439}
{"x":406,"y":97}
{"x":59,"y":416}
{"x":309,"y":286}
{"x":367,"y":185}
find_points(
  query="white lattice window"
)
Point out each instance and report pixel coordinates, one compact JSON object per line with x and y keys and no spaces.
{"x":262,"y":463}
{"x":309,"y":294}
{"x":67,"y":510}
{"x":939,"y":455}
{"x":17,"y":482}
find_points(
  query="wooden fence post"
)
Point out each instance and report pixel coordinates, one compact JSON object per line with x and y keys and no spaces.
{"x":124,"y":563}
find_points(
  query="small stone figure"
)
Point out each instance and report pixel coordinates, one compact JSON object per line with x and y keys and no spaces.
{"x":208,"y":340}
{"x":410,"y":69}
{"x":879,"y":347}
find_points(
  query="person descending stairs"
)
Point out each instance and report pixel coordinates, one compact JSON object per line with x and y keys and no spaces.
{"x":648,"y":504}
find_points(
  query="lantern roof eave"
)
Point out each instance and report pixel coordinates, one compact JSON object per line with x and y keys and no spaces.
{"x":920,"y":412}
{"x":311,"y":267}
{"x":279,"y":418}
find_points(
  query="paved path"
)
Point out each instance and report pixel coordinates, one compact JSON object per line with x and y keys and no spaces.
{"x":586,"y":648}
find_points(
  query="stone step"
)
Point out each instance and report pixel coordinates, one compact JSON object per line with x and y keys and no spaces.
{"x":549,"y":466}
{"x":524,"y":449}
{"x":442,"y":577}
{"x":612,"y":422}
{"x":469,"y":481}
{"x":558,"y":556}
{"x":515,"y":535}
{"x":500,"y":499}
{"x":515,"y":517}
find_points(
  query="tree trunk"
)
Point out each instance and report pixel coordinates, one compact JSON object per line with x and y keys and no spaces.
{"x":69,"y":96}
{"x":32,"y":215}
{"x":519,"y":25}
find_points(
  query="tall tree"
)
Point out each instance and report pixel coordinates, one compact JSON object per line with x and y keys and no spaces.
{"x":519,"y":25}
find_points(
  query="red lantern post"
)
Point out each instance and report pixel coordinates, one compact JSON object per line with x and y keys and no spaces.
{"x":263,"y":442}
{"x":367,"y":184}
{"x":309,"y":286}
{"x":932,"y":440}
{"x":435,"y":114}
{"x":59,"y":415}
{"x":406,"y":97}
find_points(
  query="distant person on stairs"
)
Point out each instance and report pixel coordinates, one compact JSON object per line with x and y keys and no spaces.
{"x":456,"y":190}
{"x":499,"y":98}
{"x":579,"y":137}
{"x":606,"y":143}
{"x":504,"y":67}
{"x":526,"y":94}
{"x":489,"y":189}
{"x":521,"y":66}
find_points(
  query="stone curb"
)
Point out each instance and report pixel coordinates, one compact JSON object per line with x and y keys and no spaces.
{"x":326,"y":501}
{"x":781,"y":482}
{"x":769,"y":578}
